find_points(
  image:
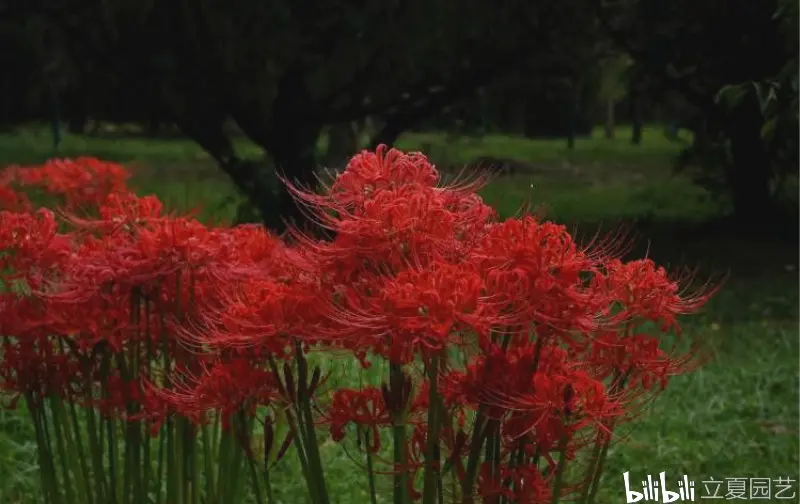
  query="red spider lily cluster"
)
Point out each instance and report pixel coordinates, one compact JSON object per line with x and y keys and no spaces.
{"x":512,"y":352}
{"x":76,"y":183}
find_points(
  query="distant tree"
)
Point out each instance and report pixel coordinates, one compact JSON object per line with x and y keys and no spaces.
{"x":614,"y":73}
{"x":701,"y":47}
{"x":284,"y":70}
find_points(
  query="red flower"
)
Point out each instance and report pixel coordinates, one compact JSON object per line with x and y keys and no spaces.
{"x":537,"y":271}
{"x":226,"y":386}
{"x":13,"y":201}
{"x":519,"y":484}
{"x":31,"y":249}
{"x":84,"y":182}
{"x":364,"y":407}
{"x":645,"y":291}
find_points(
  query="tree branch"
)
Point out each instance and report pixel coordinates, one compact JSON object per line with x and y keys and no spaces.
{"x":698,"y":98}
{"x":407,"y":117}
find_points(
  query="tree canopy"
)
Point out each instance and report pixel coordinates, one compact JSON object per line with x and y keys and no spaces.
{"x":284,"y":70}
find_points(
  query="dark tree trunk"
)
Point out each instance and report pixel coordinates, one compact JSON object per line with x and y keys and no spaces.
{"x":573,"y":119}
{"x":289,"y":134}
{"x":295,"y":160}
{"x":152,"y":128}
{"x":610,"y":119}
{"x":76,"y":108}
{"x":342,"y":143}
{"x":77,"y":123}
{"x":293,"y":132}
{"x":515,"y":121}
{"x":749,"y":176}
{"x":636,"y":133}
{"x":204,"y":123}
{"x":634,"y":110}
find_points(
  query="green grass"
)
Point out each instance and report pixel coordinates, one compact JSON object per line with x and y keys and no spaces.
{"x":737,"y":417}
{"x":35,"y":144}
{"x":604,"y":180}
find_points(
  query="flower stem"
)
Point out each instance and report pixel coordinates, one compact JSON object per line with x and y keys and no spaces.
{"x":46,"y":469}
{"x":67,"y":451}
{"x":96,"y":450}
{"x":431,"y":467}
{"x":477,"y":438}
{"x":373,"y":494}
{"x":558,"y":484}
{"x":297,"y":429}
{"x":316,"y":469}
{"x":400,"y":490}
{"x":268,"y":484}
{"x":207,"y":461}
{"x":80,"y":451}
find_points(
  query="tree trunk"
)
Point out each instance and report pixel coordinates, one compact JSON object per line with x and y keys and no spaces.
{"x":291,"y":142}
{"x":76,"y":108}
{"x":343,"y":142}
{"x":636,"y":132}
{"x":572,"y":120}
{"x":516,"y":118}
{"x":203,"y":121}
{"x":294,"y":156}
{"x":749,"y":176}
{"x":634,"y":110}
{"x":77,"y":123}
{"x":152,"y":128}
{"x":288,"y":134}
{"x":610,"y":123}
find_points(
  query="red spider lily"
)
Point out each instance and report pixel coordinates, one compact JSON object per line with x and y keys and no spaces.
{"x":13,"y":201}
{"x":31,"y":249}
{"x":645,"y":291}
{"x":35,"y":365}
{"x":371,"y":172}
{"x":511,"y":348}
{"x":640,"y":357}
{"x":413,"y":313}
{"x":84,"y":182}
{"x":538,"y":272}
{"x":521,"y":485}
{"x":227,"y":387}
{"x":364,"y":407}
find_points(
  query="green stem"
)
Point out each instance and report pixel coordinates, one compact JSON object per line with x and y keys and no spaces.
{"x":171,"y":473}
{"x":601,"y":449}
{"x":111,"y":433}
{"x":224,"y":464}
{"x":96,"y":449}
{"x":306,"y":417}
{"x":400,"y":490}
{"x":46,"y":471}
{"x":66,"y":452}
{"x":298,"y":431}
{"x":207,"y":461}
{"x":159,"y":483}
{"x":479,"y":430}
{"x":268,"y":484}
{"x":81,"y":452}
{"x":558,"y":484}
{"x":66,"y":482}
{"x":196,"y":469}
{"x":178,"y":477}
{"x":146,"y":468}
{"x":594,"y":485}
{"x":233,"y":487}
{"x":254,"y":475}
{"x":373,"y":493}
{"x":431,"y":466}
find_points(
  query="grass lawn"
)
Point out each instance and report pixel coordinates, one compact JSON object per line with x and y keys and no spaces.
{"x":735,"y":418}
